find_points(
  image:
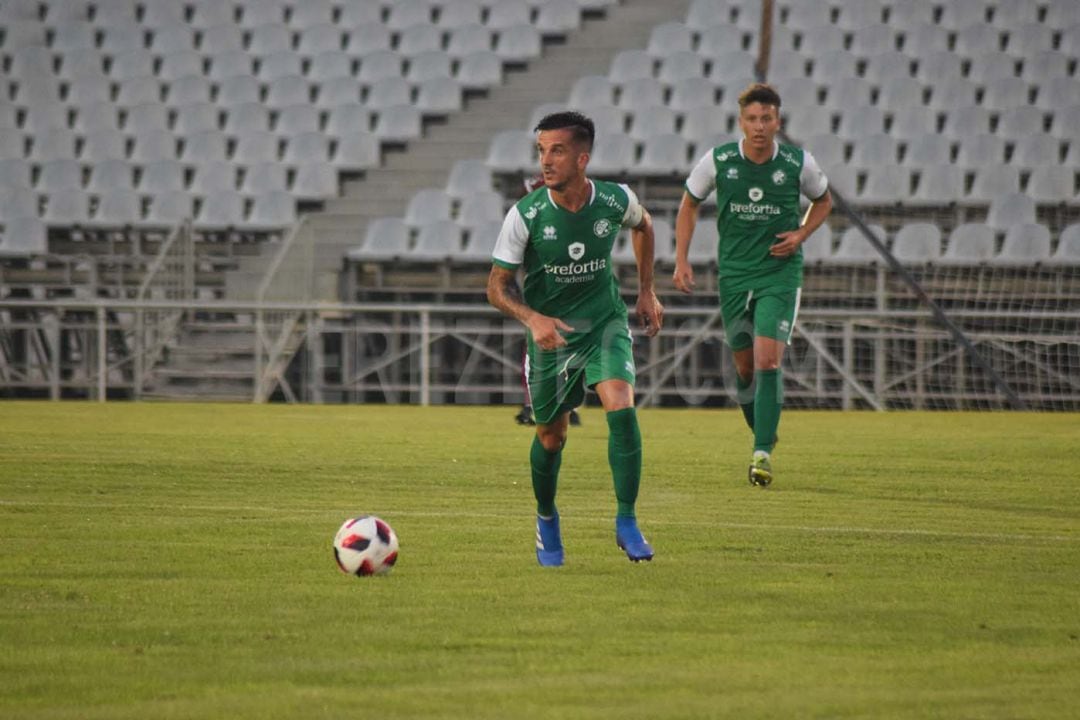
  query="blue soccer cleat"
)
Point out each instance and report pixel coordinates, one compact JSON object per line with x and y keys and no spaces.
{"x":549,"y":549}
{"x":629,"y":539}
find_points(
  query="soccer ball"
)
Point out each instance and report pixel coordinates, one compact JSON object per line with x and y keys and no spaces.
{"x":365,"y":545}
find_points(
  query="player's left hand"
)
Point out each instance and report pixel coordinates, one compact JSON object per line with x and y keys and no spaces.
{"x":650,"y":313}
{"x":788,"y":245}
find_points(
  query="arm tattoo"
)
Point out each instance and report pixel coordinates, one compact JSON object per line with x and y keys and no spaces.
{"x":504,"y":293}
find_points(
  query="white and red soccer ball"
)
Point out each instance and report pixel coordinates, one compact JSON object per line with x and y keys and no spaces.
{"x":365,"y":546}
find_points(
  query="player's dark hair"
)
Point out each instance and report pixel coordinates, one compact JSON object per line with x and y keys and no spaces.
{"x":584,"y":131}
{"x":759,"y":93}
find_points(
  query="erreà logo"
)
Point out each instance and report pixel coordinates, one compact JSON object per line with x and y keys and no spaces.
{"x":601,"y":228}
{"x":531,"y":212}
{"x":756,"y":194}
{"x":549,"y":232}
{"x":577,"y":250}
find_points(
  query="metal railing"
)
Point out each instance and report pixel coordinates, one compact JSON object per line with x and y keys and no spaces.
{"x":279,"y":333}
{"x":431,"y":354}
{"x":171,"y":276}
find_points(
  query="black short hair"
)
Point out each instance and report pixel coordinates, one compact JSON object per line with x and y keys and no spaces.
{"x":582,"y":127}
{"x":759,"y":93}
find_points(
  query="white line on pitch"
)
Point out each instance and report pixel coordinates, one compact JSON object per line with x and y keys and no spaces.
{"x":390,"y":513}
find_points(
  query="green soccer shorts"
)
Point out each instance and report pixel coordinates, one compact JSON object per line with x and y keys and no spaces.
{"x":558,"y":378}
{"x":768,"y":312}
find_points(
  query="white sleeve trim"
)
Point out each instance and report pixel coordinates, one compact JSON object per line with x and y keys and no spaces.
{"x":812,"y":180}
{"x":634,"y":210}
{"x":513,"y":237}
{"x":702,"y":180}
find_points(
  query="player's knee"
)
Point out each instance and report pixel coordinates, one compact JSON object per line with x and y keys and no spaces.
{"x":551,"y":438}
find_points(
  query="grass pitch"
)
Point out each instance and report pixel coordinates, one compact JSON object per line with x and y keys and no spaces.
{"x":174,"y":561}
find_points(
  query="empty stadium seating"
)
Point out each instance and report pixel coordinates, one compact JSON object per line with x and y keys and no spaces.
{"x":130,"y":112}
{"x":202,"y":98}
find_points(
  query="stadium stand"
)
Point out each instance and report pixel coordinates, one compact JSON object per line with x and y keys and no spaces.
{"x":247,"y":115}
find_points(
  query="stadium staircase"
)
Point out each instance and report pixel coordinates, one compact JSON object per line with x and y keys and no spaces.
{"x":212,"y":359}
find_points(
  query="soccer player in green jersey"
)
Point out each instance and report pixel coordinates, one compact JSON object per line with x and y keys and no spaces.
{"x":578,"y":336}
{"x":757,"y":182}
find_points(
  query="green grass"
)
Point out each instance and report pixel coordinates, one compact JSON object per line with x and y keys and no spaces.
{"x":173,"y":561}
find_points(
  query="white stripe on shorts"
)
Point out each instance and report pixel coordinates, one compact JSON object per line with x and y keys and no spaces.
{"x":795,"y":316}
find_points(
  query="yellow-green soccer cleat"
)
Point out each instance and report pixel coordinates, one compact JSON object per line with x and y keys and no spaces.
{"x":760,"y":469}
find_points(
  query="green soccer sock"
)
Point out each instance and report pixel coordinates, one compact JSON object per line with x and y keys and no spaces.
{"x":768,"y":400}
{"x":545,"y":476}
{"x":624,"y":455}
{"x":744,"y":394}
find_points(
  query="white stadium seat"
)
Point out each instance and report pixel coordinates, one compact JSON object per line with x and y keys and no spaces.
{"x":969,"y":244}
{"x":917,"y":243}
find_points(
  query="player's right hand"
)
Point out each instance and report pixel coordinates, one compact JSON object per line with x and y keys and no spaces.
{"x":547,"y":331}
{"x":683,"y":277}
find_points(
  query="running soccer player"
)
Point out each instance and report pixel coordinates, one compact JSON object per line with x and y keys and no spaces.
{"x":525,"y":414}
{"x":578,"y":335}
{"x":757,"y":183}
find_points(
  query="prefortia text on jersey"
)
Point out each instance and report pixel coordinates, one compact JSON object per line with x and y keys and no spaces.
{"x":753,"y":209}
{"x":584,"y":270}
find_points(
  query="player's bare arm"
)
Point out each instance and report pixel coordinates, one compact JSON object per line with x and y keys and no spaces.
{"x":685,"y":222}
{"x":791,"y":240}
{"x":504,"y":293}
{"x":650,"y":312}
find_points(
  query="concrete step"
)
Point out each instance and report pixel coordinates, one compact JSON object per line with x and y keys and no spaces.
{"x":196,"y":394}
{"x":203,"y":389}
{"x":205,"y":343}
{"x":212,"y":369}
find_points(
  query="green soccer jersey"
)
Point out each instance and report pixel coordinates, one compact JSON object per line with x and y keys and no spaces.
{"x":567,"y":255}
{"x":755,"y":203}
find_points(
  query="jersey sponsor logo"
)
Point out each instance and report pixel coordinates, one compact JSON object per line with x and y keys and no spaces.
{"x":779,"y":177}
{"x":576,"y":250}
{"x":789,"y":157}
{"x":536,"y":207}
{"x":549,"y":232}
{"x":755,"y":209}
{"x":601,"y":228}
{"x":576,"y":272}
{"x":611,"y":201}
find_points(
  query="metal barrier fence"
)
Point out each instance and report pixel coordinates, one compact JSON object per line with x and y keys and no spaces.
{"x":429,"y":354}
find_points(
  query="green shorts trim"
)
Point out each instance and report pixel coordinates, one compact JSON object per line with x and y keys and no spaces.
{"x":769,"y":312}
{"x":558,"y":378}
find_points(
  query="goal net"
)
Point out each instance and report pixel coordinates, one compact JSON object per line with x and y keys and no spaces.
{"x":944,"y":306}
